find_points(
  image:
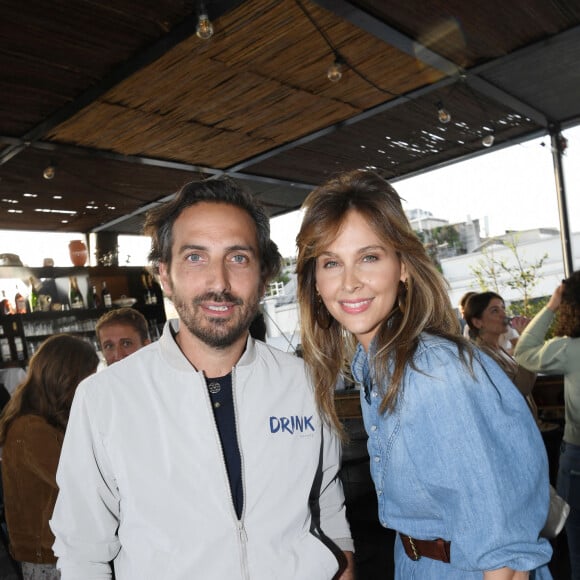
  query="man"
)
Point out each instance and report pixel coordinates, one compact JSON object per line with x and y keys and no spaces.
{"x":121,"y":332}
{"x":203,"y":455}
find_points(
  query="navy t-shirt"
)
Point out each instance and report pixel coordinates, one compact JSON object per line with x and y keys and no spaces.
{"x":220,"y":392}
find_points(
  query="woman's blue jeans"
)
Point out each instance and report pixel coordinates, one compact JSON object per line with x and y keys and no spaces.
{"x":569,"y":488}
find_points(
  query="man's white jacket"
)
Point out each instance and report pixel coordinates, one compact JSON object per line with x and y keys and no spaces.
{"x":143,"y":481}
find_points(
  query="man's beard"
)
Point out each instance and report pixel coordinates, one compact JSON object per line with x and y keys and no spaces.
{"x":216,"y":332}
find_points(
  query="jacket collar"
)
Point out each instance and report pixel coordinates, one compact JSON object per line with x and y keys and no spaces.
{"x":172,"y":353}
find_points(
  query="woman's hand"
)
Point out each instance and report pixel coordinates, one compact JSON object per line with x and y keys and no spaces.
{"x":519,"y":323}
{"x":556,"y":298}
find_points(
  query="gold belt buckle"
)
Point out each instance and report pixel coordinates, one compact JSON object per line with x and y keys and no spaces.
{"x":416,"y":555}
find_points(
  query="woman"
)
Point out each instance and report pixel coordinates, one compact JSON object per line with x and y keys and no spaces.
{"x":32,"y":428}
{"x":561,"y":355}
{"x":487,"y":321}
{"x":457,"y":461}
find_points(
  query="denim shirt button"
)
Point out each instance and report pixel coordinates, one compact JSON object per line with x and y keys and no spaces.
{"x":379,"y":492}
{"x":373,"y":427}
{"x":374,"y":394}
{"x":377,"y":458}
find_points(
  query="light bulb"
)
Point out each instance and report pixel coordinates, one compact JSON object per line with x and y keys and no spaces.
{"x":204,"y":27}
{"x":49,"y":172}
{"x":443,"y":115}
{"x":334,"y":72}
{"x":488,"y":140}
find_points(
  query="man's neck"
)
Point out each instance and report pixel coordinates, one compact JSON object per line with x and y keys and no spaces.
{"x":214,"y":362}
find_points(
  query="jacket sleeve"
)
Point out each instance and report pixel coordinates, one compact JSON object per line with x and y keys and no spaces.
{"x":536,"y":354}
{"x":86,"y":515}
{"x":333,"y":520}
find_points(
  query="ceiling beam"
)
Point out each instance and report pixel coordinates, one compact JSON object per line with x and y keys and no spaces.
{"x":365,"y":21}
{"x":144,"y":58}
{"x":411,"y":47}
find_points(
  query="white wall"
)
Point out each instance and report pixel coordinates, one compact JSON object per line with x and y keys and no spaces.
{"x":458,"y":273}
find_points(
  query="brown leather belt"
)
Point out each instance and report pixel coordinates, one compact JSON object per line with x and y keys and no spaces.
{"x":435,"y":549}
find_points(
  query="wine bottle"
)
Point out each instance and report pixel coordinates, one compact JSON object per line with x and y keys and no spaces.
{"x":5,"y":306}
{"x":19,"y":302}
{"x":75,"y":296}
{"x":146,"y":292}
{"x":151,"y":289}
{"x":96,"y":297}
{"x":35,"y":286}
{"x":106,"y":296}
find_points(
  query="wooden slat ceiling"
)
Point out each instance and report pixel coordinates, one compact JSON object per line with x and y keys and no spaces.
{"x":127,"y":103}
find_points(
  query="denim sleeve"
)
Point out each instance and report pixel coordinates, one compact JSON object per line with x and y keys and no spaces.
{"x":481,"y":460}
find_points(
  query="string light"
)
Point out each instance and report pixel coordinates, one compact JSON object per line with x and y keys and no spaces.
{"x":49,"y":171}
{"x":488,"y":140}
{"x":443,"y":114}
{"x":204,"y":28}
{"x":334,"y":72}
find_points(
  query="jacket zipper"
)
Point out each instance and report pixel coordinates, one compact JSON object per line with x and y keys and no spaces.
{"x":241,"y":530}
{"x":242,"y":535}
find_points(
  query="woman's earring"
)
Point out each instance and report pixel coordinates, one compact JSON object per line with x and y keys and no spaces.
{"x":402,"y":295}
{"x":322,"y":316}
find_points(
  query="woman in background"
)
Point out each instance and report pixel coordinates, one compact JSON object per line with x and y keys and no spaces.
{"x":486,"y":318}
{"x":561,"y":355}
{"x":32,"y":427}
{"x":458,"y":464}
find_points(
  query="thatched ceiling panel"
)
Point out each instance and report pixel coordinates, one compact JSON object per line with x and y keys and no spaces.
{"x":51,"y":53}
{"x":267,"y":88}
{"x":133,"y":132}
{"x":143,"y":103}
{"x":400,"y":140}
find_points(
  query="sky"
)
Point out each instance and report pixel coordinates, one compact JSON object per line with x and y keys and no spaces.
{"x":509,"y":189}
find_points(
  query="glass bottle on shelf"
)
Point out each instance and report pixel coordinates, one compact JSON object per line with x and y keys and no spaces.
{"x":96,"y":297}
{"x":5,"y":354}
{"x":106,"y":296}
{"x":18,"y":344}
{"x":151,"y":288}
{"x":75,"y":296}
{"x":90,"y":299}
{"x":35,"y":285}
{"x":146,"y":291}
{"x":5,"y":306}
{"x":20,"y":302}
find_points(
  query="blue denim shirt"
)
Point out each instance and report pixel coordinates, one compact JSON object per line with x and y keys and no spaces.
{"x":460,"y":458}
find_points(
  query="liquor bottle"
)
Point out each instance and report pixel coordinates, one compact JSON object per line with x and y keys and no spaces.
{"x":146,"y":291}
{"x":106,"y":296}
{"x":19,"y":302}
{"x":35,"y":285}
{"x":18,"y":344}
{"x":151,"y":288}
{"x":5,"y":354}
{"x":75,"y":296}
{"x":96,"y":298}
{"x":6,"y":307}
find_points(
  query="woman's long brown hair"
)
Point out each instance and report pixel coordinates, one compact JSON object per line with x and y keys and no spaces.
{"x":54,"y":372}
{"x":423,"y":303}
